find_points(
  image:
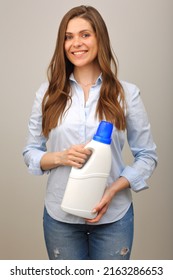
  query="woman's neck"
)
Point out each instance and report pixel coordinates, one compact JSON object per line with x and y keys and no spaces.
{"x":87,"y":76}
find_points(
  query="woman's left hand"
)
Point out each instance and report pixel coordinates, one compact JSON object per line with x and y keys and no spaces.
{"x":120,"y":184}
{"x":103,"y":205}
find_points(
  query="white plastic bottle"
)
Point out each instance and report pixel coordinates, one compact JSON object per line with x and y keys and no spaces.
{"x":86,"y":185}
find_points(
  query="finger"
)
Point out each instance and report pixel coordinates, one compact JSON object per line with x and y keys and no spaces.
{"x":99,"y":216}
{"x":73,"y":164}
{"x":79,"y":152}
{"x":81,"y":148}
{"x":80,"y":155}
{"x":84,"y":151}
{"x":99,"y":206}
{"x":96,"y":219}
{"x":77,"y":158}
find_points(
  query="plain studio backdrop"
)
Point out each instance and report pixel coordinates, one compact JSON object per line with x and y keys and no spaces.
{"x":141,"y":36}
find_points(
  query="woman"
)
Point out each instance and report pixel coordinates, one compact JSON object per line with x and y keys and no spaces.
{"x":83,"y":89}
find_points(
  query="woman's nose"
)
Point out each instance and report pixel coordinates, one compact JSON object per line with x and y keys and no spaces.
{"x":77,"y":42}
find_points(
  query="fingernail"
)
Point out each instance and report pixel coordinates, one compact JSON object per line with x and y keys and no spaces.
{"x":94,"y":211}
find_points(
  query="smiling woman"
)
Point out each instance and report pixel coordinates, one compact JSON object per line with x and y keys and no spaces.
{"x":83,"y":89}
{"x":111,"y":92}
{"x":81,"y":48}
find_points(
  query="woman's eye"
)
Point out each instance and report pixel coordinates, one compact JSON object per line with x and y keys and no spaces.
{"x":85,"y":35}
{"x":68,"y":37}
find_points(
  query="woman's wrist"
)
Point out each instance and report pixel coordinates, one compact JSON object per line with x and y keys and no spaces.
{"x":50,"y":160}
{"x":120,"y":184}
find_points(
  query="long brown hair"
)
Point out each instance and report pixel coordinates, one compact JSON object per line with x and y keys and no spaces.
{"x":111,"y":103}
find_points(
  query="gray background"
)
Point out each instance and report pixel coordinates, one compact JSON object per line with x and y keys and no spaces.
{"x":141,"y":35}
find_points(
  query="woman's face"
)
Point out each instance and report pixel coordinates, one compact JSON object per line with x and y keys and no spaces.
{"x":81,"y":46}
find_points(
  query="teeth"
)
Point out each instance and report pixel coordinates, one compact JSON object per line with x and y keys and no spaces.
{"x":78,"y":53}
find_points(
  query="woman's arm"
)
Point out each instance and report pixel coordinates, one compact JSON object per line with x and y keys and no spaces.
{"x":142,"y":147}
{"x":35,"y":153}
{"x":140,"y":141}
{"x":74,"y":156}
{"x":36,"y":143}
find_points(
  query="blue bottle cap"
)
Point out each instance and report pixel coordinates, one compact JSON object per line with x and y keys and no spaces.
{"x":104,"y":132}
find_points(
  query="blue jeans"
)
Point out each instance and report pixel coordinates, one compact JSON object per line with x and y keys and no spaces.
{"x":89,"y":242}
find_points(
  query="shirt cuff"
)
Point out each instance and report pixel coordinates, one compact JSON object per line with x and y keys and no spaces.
{"x":137,"y":183}
{"x":33,"y":162}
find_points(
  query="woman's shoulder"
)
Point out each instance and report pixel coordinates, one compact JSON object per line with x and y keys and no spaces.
{"x":131,"y":90}
{"x":129,"y":87}
{"x":40,"y":93}
{"x":42,"y":89}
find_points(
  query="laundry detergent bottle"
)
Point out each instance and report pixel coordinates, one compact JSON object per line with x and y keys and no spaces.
{"x":86,"y":185}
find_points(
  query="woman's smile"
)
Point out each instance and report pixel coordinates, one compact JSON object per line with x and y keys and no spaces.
{"x":79,"y":53}
{"x":81,"y":46}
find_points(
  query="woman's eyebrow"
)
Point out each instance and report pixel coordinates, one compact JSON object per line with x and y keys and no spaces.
{"x":81,"y":31}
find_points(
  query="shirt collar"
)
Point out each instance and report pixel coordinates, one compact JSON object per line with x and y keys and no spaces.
{"x":98,"y":81}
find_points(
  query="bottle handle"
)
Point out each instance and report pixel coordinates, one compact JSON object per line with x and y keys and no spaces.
{"x":88,"y":157}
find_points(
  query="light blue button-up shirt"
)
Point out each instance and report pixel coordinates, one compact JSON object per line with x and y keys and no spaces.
{"x":78,"y":126}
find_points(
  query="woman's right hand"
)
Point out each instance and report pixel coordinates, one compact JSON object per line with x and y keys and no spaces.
{"x":74,"y":156}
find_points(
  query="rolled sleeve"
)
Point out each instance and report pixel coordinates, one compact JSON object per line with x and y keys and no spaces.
{"x":32,"y":160}
{"x":36,"y":142}
{"x":140,"y":142}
